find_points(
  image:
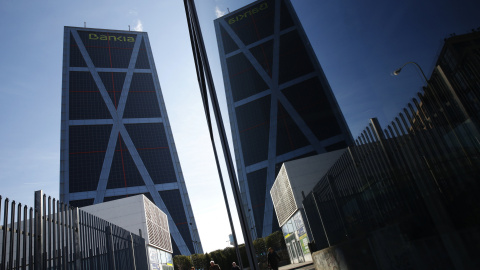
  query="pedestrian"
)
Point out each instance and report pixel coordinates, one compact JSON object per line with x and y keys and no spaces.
{"x":192,"y":268}
{"x":235,"y":266}
{"x":272,"y":259}
{"x":214,"y":266}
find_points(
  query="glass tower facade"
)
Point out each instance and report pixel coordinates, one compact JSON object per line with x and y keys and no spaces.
{"x":116,"y":139}
{"x":281,"y":106}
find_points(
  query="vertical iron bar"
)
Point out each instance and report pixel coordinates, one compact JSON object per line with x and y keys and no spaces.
{"x":59,"y":247}
{"x":19,"y":234}
{"x":12,"y":234}
{"x":25,"y":236}
{"x":31,"y":240}
{"x":4,"y":238}
{"x":76,"y":239}
{"x":320,"y":215}
{"x":110,"y":251}
{"x":45,"y":236}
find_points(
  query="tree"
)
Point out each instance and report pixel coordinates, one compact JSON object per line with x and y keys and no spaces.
{"x":182,"y":262}
{"x":275,"y":241}
{"x":208,"y":258}
{"x":219,"y":258}
{"x":199,"y":261}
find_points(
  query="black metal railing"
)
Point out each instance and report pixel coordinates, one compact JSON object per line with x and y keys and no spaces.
{"x":53,"y":235}
{"x":419,"y":174}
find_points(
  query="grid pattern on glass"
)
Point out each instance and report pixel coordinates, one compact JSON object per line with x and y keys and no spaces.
{"x":336,"y":146}
{"x":87,"y":148}
{"x":310,"y":101}
{"x":142,"y":101}
{"x":108,"y":50}
{"x":81,"y":203}
{"x":257,"y":186}
{"x":264,"y":55}
{"x":112,"y":198}
{"x":289,"y":135}
{"x":151,"y":142}
{"x":253,"y":121}
{"x":76,"y":58}
{"x":113,"y":82}
{"x":244,"y":79}
{"x":294,"y":59}
{"x":228,"y":44}
{"x":253,"y":23}
{"x":173,"y":202}
{"x":285,"y":17}
{"x":142,"y":58}
{"x":85,"y":100}
{"x":123,"y":172}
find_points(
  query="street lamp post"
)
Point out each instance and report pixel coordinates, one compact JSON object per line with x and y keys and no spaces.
{"x":207,"y":89}
{"x":396,"y":72}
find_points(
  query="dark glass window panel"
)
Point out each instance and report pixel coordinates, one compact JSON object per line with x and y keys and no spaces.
{"x":264,"y":55}
{"x":278,"y":166}
{"x":294,"y":59}
{"x":123,"y":172}
{"x":108,"y":50}
{"x":151,"y":143}
{"x":85,"y":100}
{"x":87,"y":146}
{"x":81,"y":203}
{"x":113,"y":82}
{"x":142,"y":59}
{"x":228,"y":44}
{"x":142,"y":101}
{"x":253,"y":121}
{"x":309,"y":100}
{"x":257,"y":182}
{"x":275,"y":226}
{"x":285,"y":17}
{"x":175,"y":249}
{"x":244,"y":79}
{"x":173,"y":202}
{"x":253,"y":23}
{"x":112,"y":198}
{"x":336,"y":146}
{"x":76,"y":58}
{"x":289,"y":136}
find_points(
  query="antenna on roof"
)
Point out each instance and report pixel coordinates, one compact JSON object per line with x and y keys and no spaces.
{"x":84,"y":24}
{"x":129,"y":27}
{"x":228,"y":10}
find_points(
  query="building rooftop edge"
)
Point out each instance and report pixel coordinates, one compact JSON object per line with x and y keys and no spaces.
{"x":103,"y":29}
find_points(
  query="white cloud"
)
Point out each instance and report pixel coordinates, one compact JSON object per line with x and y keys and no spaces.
{"x":218,"y":12}
{"x":133,"y":12}
{"x":139,"y":26}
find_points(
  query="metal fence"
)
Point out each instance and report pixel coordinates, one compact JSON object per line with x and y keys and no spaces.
{"x":420,"y":175}
{"x":53,"y":235}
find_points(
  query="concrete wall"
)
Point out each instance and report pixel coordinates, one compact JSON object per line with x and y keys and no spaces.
{"x":353,"y":255}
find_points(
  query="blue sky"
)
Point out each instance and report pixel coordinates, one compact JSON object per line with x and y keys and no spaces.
{"x":358,"y":44}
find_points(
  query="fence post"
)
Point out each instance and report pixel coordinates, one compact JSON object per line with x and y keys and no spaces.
{"x":39,"y":238}
{"x":132,"y":252}
{"x":110,"y":251}
{"x":76,"y":239}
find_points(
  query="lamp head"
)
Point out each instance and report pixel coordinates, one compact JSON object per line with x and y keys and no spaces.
{"x":396,"y":72}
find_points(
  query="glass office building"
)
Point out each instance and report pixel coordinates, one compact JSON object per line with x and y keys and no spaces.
{"x":281,"y":106}
{"x":116,"y":139}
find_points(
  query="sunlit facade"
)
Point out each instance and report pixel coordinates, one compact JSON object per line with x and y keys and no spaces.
{"x":281,"y":106}
{"x":116,"y":139}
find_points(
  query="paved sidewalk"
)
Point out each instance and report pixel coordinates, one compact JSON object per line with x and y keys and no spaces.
{"x":302,"y":266}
